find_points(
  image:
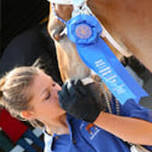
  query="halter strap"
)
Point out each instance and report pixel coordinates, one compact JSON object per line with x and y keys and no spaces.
{"x":63,"y":2}
{"x":68,"y":2}
{"x":76,"y":8}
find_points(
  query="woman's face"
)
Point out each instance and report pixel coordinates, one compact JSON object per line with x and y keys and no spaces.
{"x":45,"y":98}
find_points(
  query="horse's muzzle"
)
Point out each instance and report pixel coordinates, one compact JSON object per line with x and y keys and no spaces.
{"x":58,"y":33}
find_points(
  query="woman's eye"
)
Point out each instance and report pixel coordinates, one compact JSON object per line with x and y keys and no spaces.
{"x":48,"y":96}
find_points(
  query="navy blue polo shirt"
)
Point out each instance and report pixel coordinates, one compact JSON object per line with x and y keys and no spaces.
{"x":96,"y":139}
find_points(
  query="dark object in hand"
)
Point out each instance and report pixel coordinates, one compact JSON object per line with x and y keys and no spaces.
{"x":82,"y":101}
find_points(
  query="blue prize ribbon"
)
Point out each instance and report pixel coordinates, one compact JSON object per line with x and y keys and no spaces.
{"x":84,"y":31}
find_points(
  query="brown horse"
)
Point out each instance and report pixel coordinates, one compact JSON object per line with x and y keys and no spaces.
{"x":129,"y":23}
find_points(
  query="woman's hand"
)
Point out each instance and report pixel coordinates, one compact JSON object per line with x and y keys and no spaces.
{"x":78,"y":100}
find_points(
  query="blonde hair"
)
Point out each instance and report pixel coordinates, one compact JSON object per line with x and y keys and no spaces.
{"x":14,"y":94}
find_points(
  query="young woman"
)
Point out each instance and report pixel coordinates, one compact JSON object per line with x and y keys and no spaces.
{"x":30,"y":94}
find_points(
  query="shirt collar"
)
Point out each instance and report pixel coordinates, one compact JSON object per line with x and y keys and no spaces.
{"x":50,"y":138}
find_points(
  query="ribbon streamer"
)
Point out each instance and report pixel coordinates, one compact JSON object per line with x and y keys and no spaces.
{"x":85,"y":31}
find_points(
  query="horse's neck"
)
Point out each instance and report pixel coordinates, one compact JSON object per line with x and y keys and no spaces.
{"x":70,"y":64}
{"x":129,"y":22}
{"x":124,"y":20}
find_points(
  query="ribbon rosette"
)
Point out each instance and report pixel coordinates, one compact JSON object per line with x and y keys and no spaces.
{"x":83,"y":29}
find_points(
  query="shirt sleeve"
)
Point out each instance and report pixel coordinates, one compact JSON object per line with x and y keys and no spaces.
{"x":132,"y":109}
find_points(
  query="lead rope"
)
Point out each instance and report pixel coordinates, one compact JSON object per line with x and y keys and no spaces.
{"x":108,"y":98}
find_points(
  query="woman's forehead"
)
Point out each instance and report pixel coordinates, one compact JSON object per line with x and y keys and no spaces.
{"x":42,"y":77}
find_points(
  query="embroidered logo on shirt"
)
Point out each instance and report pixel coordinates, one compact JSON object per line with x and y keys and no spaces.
{"x":92,"y":130}
{"x":94,"y":133}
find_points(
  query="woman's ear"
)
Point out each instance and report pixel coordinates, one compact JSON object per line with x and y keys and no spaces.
{"x":27,"y":115}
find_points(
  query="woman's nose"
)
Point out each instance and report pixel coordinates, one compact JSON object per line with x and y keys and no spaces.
{"x":57,"y":87}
